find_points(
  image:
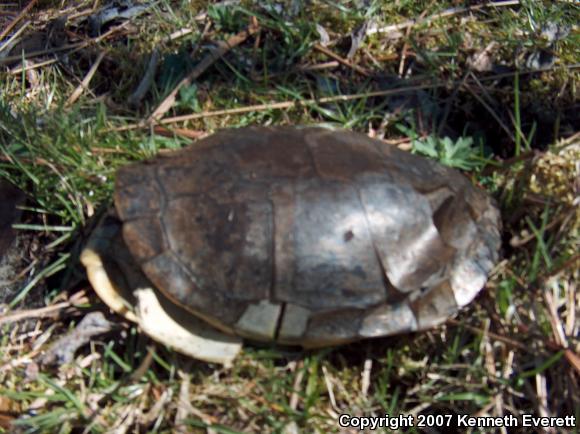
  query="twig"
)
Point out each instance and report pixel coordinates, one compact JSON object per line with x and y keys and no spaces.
{"x":568,"y":141}
{"x":32,"y":54}
{"x":290,"y":104}
{"x":317,"y":66}
{"x":518,"y":242}
{"x":446,"y":13}
{"x":570,"y":355}
{"x":16,"y":20}
{"x":296,"y":388}
{"x":255,"y":53}
{"x":180,"y":33}
{"x":542,"y":398}
{"x":11,"y":42}
{"x":506,"y":164}
{"x":184,"y":407}
{"x":406,"y":46}
{"x":190,"y":134}
{"x":31,"y":67}
{"x":341,"y":60}
{"x":366,"y":376}
{"x":555,"y":322}
{"x":281,"y":105}
{"x":256,"y":76}
{"x":570,"y":295}
{"x":143,"y":366}
{"x":85,"y":83}
{"x":73,"y":47}
{"x":558,"y":270}
{"x":33,"y":313}
{"x":222,"y":48}
{"x":510,"y":342}
{"x":329,"y":388}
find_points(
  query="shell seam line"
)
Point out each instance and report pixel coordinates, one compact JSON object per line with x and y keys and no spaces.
{"x":279,"y":321}
{"x":162,"y":209}
{"x":273,"y":251}
{"x":386,"y":282}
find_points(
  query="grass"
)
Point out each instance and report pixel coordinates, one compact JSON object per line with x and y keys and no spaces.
{"x":514,"y":351}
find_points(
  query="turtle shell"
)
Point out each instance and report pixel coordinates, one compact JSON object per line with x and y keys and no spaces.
{"x":307,"y":235}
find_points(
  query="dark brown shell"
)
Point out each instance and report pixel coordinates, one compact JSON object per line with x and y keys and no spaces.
{"x":308,"y":235}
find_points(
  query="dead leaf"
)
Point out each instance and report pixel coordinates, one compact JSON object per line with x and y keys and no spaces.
{"x":357,"y":38}
{"x":122,"y":11}
{"x":63,"y":350}
{"x":324,"y":38}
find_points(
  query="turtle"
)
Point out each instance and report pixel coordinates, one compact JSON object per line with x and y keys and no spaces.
{"x":302,"y":236}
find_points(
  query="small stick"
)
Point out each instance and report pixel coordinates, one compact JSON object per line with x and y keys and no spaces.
{"x":329,"y":388}
{"x":296,"y":388}
{"x":302,"y":68}
{"x":85,"y":83}
{"x":318,"y":66}
{"x":562,"y":267}
{"x":183,"y":132}
{"x":32,"y":54}
{"x":183,"y":403}
{"x":555,"y":321}
{"x":143,"y":366}
{"x":444,"y":14}
{"x":341,"y":60}
{"x":32,"y":67}
{"x":406,"y":46}
{"x":506,"y":164}
{"x":11,"y":42}
{"x":16,"y":20}
{"x":492,"y":335}
{"x":33,"y":313}
{"x":222,"y":48}
{"x":570,"y":355}
{"x":568,"y":141}
{"x":180,"y":33}
{"x":290,"y":104}
{"x":73,"y":47}
{"x":515,"y":242}
{"x":366,"y":377}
